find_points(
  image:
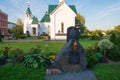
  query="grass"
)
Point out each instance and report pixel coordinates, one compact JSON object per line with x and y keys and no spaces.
{"x":53,"y":46}
{"x":107,"y":71}
{"x":19,"y":72}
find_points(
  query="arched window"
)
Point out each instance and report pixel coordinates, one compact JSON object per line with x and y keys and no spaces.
{"x":62,"y":27}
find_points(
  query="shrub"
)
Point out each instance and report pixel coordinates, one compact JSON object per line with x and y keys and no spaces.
{"x":35,"y":50}
{"x":5,"y":51}
{"x":115,"y":39}
{"x":114,"y":54}
{"x":95,"y":36}
{"x":92,"y":59}
{"x":22,"y":36}
{"x":42,"y":37}
{"x":35,"y":60}
{"x":91,"y":56}
{"x":17,"y":55}
{"x":104,"y":45}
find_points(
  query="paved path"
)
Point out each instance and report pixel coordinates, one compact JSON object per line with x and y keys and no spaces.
{"x":23,"y":40}
{"x":44,"y":40}
{"x":85,"y":75}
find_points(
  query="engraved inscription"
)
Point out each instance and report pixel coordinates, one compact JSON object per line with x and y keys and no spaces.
{"x":74,"y":58}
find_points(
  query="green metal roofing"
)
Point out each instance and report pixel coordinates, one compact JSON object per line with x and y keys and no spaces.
{"x":35,"y":20}
{"x":52,"y":7}
{"x":45,"y":18}
{"x":28,"y":11}
{"x":73,"y":8}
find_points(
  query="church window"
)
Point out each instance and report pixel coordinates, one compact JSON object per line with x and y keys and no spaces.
{"x":62,"y":27}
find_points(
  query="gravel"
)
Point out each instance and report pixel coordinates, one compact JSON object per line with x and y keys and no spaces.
{"x":84,"y":75}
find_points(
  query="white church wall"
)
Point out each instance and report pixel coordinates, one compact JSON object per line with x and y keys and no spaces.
{"x":43,"y":27}
{"x":65,"y":15}
{"x":52,"y":28}
{"x":26,"y":25}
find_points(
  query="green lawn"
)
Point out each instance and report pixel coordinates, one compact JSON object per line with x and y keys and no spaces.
{"x":55,"y":46}
{"x":9,"y":72}
{"x":107,"y":71}
{"x":19,"y":72}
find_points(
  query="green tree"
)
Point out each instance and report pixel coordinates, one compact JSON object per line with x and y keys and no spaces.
{"x":20,"y":24}
{"x":18,"y":29}
{"x":80,"y":21}
{"x":117,"y":28}
{"x":17,"y":32}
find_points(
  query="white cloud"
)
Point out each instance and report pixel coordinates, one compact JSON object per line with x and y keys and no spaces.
{"x":110,"y":10}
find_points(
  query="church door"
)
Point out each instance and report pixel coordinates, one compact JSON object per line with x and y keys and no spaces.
{"x":34,"y":31}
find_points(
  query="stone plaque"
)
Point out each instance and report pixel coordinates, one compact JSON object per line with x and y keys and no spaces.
{"x":74,"y":58}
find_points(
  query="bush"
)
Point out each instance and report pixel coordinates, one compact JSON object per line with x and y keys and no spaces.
{"x":17,"y":55}
{"x":23,"y":36}
{"x":42,"y":37}
{"x":5,"y":51}
{"x":114,"y":53}
{"x":92,"y":60}
{"x":35,"y":50}
{"x":115,"y":39}
{"x":36,"y":58}
{"x":91,"y":56}
{"x":104,"y":45}
{"x":95,"y":37}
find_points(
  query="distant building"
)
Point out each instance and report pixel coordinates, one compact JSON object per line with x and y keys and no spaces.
{"x":31,"y":23}
{"x":58,"y":18}
{"x":11,"y":25}
{"x":3,"y":22}
{"x":54,"y":23}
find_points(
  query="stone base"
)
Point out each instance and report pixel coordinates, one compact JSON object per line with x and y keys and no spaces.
{"x":85,"y":75}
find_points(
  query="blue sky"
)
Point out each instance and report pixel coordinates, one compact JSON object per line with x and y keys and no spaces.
{"x":99,"y":14}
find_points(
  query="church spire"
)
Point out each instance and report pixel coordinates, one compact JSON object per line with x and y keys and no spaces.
{"x":28,"y":11}
{"x":61,"y":1}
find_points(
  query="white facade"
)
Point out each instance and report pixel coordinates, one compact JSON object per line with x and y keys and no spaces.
{"x":30,"y":27}
{"x":61,"y":18}
{"x":54,"y":23}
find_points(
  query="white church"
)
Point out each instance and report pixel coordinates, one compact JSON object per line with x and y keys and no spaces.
{"x":54,"y":23}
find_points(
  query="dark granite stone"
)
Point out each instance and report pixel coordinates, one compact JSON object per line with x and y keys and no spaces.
{"x":72,"y":58}
{"x":73,"y":33}
{"x":63,"y":59}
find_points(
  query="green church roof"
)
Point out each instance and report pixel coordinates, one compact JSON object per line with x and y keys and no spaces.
{"x":35,"y":20}
{"x":28,"y":11}
{"x":45,"y":18}
{"x":52,"y":7}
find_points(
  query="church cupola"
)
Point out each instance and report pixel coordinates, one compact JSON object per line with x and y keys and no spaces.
{"x":28,"y":11}
{"x":28,"y":14}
